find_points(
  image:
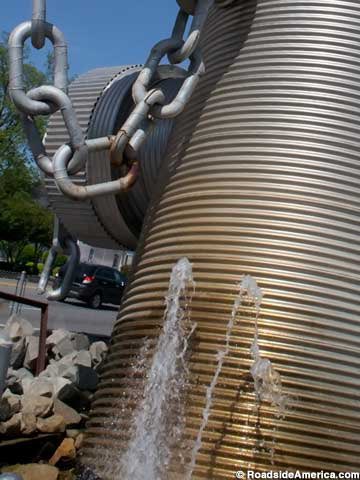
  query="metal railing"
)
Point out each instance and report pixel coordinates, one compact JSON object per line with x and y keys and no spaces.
{"x":20,"y":291}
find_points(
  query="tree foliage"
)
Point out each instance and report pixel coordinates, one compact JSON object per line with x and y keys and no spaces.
{"x":22,"y":219}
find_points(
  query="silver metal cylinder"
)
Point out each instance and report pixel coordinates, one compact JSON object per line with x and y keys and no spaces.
{"x":263,"y":178}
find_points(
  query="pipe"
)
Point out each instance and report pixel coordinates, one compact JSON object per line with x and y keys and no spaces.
{"x":5,"y":354}
{"x":38,"y":23}
{"x":78,"y":192}
{"x":262,"y":177}
{"x":63,"y":289}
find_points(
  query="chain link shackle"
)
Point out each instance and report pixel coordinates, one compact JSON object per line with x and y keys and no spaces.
{"x":149,"y":103}
{"x":38,"y":22}
{"x":177,"y":50}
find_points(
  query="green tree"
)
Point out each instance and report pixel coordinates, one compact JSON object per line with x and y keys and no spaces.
{"x":22,"y":219}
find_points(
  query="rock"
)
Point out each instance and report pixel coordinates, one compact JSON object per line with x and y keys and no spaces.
{"x":11,"y":427}
{"x":5,"y":409}
{"x":52,"y":424}
{"x":59,"y":383}
{"x":85,"y":378}
{"x":37,"y":405}
{"x":13,"y":400}
{"x":23,"y":373}
{"x":18,"y":353}
{"x":12,"y":382}
{"x":98,"y":352}
{"x":79,"y":441}
{"x":72,"y":432}
{"x":57,"y":336}
{"x":65,"y":451}
{"x":32,"y":352}
{"x":15,"y":378}
{"x":60,"y":342}
{"x":63,"y":348}
{"x":80,"y":341}
{"x":55,"y":369}
{"x":70,"y":415}
{"x":50,"y":371}
{"x":71,"y":373}
{"x":35,"y":471}
{"x":83,"y":357}
{"x":72,"y":396}
{"x":42,"y":387}
{"x":28,"y":423}
{"x":26,"y":384}
{"x":17,"y":328}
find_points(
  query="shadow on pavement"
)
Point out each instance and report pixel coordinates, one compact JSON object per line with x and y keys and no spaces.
{"x":106,"y":308}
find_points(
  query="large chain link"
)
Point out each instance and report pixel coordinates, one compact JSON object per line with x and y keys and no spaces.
{"x":149,"y":103}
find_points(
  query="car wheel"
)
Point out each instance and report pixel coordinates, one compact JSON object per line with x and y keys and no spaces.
{"x":95,"y":301}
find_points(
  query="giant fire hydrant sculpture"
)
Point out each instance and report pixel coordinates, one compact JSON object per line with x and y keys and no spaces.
{"x":259,"y":175}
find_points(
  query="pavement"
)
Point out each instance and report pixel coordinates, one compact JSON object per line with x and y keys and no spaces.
{"x":71,"y":315}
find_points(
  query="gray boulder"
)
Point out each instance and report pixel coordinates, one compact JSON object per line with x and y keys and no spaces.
{"x":60,"y":342}
{"x":70,"y":416}
{"x":15,"y":378}
{"x":59,"y":384}
{"x":52,"y":424}
{"x":37,"y":405}
{"x":74,"y":397}
{"x":28,"y":423}
{"x":13,"y":400}
{"x":32,"y":351}
{"x":65,"y":347}
{"x":51,"y":371}
{"x":98,"y":351}
{"x":83,"y":357}
{"x":57,"y":336}
{"x":18,"y":353}
{"x":23,"y":373}
{"x":42,"y":387}
{"x":80,"y":341}
{"x":5,"y":409}
{"x":11,"y":427}
{"x":85,"y":378}
{"x":17,"y":328}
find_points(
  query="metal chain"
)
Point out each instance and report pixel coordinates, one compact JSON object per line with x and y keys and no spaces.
{"x":149,"y":103}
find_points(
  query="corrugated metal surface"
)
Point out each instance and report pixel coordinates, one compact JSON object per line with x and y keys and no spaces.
{"x":103,"y":99}
{"x":264,"y":179}
{"x":122,"y":215}
{"x":80,"y":218}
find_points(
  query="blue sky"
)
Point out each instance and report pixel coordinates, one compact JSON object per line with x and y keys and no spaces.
{"x":100,"y":33}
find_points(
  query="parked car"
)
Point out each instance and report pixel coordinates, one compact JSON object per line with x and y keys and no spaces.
{"x":96,"y":284}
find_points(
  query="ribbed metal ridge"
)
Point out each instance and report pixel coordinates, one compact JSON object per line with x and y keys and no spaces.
{"x":263,"y":178}
{"x":80,"y":218}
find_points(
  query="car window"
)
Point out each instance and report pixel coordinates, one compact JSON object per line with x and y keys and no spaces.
{"x":119,"y":278}
{"x":105,"y":273}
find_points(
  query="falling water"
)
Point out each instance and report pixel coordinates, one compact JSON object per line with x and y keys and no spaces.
{"x":267,"y":382}
{"x":249,"y":288}
{"x":159,"y":420}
